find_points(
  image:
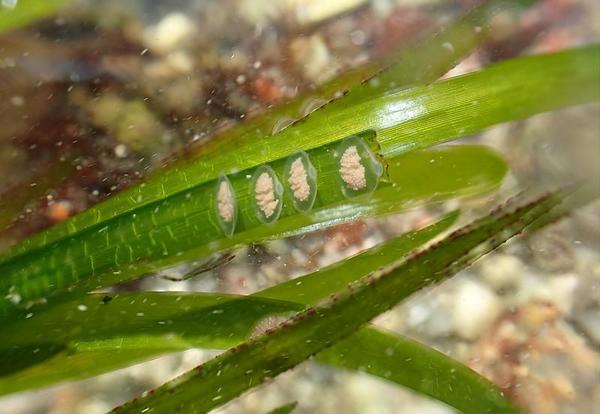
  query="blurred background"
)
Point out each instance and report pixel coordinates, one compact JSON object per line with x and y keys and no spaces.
{"x":100,"y":94}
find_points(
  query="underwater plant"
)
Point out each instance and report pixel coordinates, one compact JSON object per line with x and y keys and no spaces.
{"x":368,"y":152}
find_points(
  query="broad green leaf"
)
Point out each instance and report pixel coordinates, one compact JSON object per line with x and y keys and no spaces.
{"x":185,"y":229}
{"x":402,"y":120}
{"x":25,"y":12}
{"x":418,"y":65}
{"x":318,"y":328}
{"x":417,"y":367}
{"x":195,"y":319}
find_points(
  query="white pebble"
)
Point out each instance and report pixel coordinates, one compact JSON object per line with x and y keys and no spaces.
{"x":502,"y":271}
{"x":121,"y":150}
{"x":169,"y":33}
{"x":563,"y":291}
{"x":476,"y":309}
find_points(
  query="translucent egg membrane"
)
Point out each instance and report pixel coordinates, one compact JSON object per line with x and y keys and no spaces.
{"x":267,"y":192}
{"x":302,"y":182}
{"x":359,"y":169}
{"x":226,"y":205}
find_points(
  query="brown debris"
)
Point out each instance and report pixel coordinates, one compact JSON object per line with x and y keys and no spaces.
{"x":539,"y":361}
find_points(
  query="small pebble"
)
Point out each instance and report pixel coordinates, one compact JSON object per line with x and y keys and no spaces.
{"x":475,"y":310}
{"x":502,"y":271}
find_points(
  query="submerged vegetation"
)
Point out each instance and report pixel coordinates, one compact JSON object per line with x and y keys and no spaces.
{"x":368,"y":150}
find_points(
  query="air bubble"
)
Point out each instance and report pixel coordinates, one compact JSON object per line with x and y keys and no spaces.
{"x":226,"y":205}
{"x":268,"y":191}
{"x":359,"y":169}
{"x":281,"y":124}
{"x":311,"y":105}
{"x":301,"y":178}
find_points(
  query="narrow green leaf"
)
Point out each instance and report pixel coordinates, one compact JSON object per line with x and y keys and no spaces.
{"x":417,"y":64}
{"x":580,"y":196}
{"x":403,"y":120}
{"x":284,"y":409}
{"x":27,"y":11}
{"x":17,"y":359}
{"x":195,"y":319}
{"x":311,"y":288}
{"x":417,"y":367}
{"x":468,"y":104}
{"x":69,"y":364}
{"x":316,"y":329}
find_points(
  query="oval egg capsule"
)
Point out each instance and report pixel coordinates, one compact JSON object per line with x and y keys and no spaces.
{"x":301,"y":178}
{"x":359,"y":169}
{"x":267,"y":194}
{"x":226,"y":205}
